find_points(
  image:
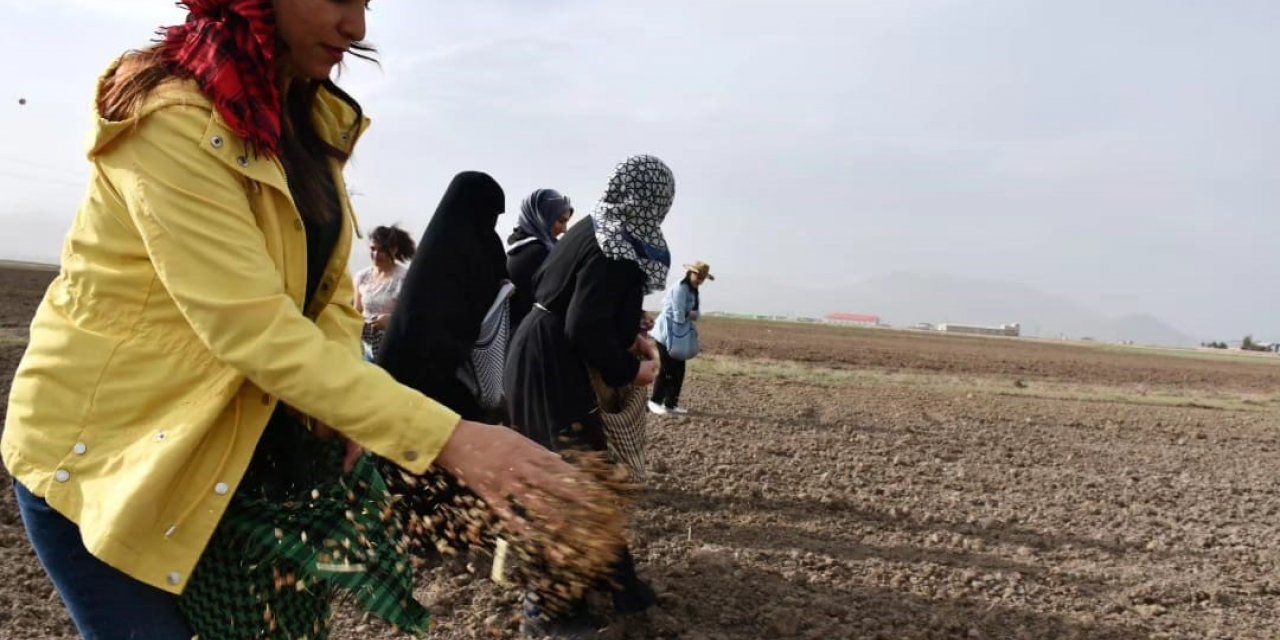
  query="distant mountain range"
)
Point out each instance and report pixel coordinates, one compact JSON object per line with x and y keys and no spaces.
{"x":905,"y":299}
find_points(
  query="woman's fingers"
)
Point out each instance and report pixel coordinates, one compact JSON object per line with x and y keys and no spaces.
{"x":353,"y":454}
{"x":647,"y":374}
{"x":555,"y":478}
{"x":535,"y":492}
{"x":650,"y":351}
{"x":353,"y":451}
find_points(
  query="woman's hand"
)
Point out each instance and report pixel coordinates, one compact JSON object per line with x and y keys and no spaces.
{"x":647,"y":374}
{"x":502,"y":466}
{"x":644,"y":348}
{"x":694,"y":315}
{"x":638,"y":347}
{"x":354,"y":451}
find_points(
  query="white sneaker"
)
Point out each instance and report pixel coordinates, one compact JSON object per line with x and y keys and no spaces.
{"x":657,"y":408}
{"x":680,"y":411}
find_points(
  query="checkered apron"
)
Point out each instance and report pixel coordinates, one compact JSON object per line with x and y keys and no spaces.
{"x":624,"y":414}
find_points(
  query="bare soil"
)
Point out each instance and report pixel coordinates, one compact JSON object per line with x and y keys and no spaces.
{"x":839,"y":483}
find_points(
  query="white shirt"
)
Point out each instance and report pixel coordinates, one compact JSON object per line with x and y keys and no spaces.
{"x":378,"y":294}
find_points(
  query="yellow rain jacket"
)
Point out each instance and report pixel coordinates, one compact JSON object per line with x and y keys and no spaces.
{"x":175,"y":327}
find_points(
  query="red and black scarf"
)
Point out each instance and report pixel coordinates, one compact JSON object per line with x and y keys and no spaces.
{"x":229,"y":48}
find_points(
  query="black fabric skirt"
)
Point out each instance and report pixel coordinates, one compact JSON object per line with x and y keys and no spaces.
{"x":547,"y":385}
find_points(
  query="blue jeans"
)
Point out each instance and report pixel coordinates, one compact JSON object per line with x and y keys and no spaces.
{"x":104,"y":603}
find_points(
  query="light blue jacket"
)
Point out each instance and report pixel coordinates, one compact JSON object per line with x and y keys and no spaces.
{"x":675,"y":329}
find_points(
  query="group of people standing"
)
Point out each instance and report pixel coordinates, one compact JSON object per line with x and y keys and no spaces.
{"x":544,"y":217}
{"x":574,"y":317}
{"x":200,"y":442}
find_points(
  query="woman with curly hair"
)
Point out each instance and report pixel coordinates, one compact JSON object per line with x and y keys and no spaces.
{"x":378,"y":285}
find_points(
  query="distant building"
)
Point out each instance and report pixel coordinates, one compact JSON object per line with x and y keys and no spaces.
{"x":852,"y":319}
{"x":1008,"y":330}
{"x":1238,"y":345}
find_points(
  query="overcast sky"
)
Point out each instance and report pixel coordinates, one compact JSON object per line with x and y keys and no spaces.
{"x":1123,"y":153}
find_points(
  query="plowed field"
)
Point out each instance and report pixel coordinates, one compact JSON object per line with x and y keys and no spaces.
{"x":842,"y":483}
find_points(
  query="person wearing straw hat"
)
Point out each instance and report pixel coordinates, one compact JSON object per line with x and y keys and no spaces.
{"x":676,"y":332}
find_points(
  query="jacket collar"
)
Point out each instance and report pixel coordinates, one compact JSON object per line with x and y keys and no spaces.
{"x":335,"y":122}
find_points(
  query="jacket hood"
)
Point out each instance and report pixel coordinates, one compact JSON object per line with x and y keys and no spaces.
{"x":335,"y":119}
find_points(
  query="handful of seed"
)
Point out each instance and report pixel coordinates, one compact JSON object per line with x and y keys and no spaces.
{"x":561,"y":553}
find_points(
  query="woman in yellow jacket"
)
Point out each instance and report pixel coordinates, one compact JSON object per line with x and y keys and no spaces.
{"x":203,"y":294}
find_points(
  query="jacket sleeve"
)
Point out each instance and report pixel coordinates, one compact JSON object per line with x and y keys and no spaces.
{"x":676,"y":305}
{"x":193,"y":214}
{"x":589,"y":321}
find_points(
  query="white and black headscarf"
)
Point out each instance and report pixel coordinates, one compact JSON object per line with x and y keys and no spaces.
{"x":628,"y":219}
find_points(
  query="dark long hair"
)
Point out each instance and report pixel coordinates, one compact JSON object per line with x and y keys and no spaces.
{"x":396,"y":241}
{"x":304,"y":154}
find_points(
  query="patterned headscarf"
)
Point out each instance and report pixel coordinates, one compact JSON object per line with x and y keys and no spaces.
{"x":540,"y":211}
{"x":628,"y":219}
{"x":229,"y":48}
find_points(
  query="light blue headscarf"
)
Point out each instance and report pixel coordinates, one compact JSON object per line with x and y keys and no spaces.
{"x":539,"y":212}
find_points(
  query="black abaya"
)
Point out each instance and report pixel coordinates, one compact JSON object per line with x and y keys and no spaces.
{"x":454,"y":277}
{"x":587,"y":316}
{"x":523,"y":263}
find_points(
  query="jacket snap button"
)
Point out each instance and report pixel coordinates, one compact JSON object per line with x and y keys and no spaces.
{"x":221,"y":489}
{"x":175,"y":578}
{"x":411,"y":455}
{"x":216,"y":141}
{"x":243,"y":161}
{"x":80,"y":449}
{"x":161,"y":436}
{"x":62,"y":475}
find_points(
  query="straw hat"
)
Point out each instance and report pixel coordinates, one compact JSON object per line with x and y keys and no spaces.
{"x":701,"y":268}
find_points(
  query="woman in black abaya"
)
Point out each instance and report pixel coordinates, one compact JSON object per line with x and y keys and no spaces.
{"x":456,"y":273}
{"x":589,"y":297}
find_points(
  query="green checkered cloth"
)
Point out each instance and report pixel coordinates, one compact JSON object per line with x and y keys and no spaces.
{"x":297,"y":535}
